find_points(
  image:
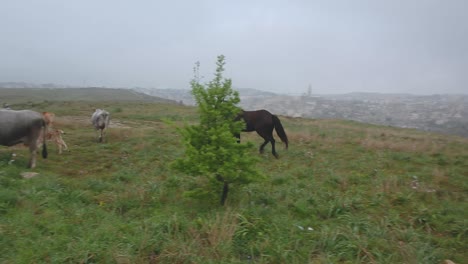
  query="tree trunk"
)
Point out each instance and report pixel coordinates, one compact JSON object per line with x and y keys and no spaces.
{"x":225,"y":193}
{"x":225,"y":189}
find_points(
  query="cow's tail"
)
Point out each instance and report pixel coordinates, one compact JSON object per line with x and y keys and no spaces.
{"x":44,"y":135}
{"x":280,"y":130}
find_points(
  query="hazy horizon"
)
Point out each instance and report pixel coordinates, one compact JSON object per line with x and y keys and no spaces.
{"x":301,"y":93}
{"x":334,"y":47}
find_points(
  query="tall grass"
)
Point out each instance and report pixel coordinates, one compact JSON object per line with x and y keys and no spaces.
{"x":344,"y":192}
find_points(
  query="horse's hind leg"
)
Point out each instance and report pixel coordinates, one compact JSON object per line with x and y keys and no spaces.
{"x":262,"y":147}
{"x":273,"y":150}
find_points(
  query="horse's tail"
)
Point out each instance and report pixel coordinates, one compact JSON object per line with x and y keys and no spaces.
{"x":44,"y":135}
{"x":280,"y":130}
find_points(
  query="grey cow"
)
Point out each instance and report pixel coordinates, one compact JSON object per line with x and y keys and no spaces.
{"x":100,"y":120}
{"x":23,"y":126}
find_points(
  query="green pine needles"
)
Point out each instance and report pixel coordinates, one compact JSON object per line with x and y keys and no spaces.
{"x":211,"y":148}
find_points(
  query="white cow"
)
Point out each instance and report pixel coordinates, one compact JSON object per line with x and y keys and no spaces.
{"x":100,"y":120}
{"x":23,"y":126}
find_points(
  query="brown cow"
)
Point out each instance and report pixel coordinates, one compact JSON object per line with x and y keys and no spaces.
{"x":49,"y":118}
{"x":54,"y":135}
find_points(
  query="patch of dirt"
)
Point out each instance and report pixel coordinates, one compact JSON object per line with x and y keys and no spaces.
{"x":28,"y":175}
{"x":87,"y":121}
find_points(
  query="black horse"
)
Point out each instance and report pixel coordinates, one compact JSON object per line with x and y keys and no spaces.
{"x":263,"y":122}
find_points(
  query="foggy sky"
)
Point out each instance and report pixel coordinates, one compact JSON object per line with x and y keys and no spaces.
{"x":397,"y":46}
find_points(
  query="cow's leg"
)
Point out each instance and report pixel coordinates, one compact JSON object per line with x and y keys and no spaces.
{"x":101,"y":132}
{"x":59,"y":145}
{"x":99,"y":135}
{"x":33,"y":152}
{"x":65,"y":147}
{"x":104,"y":132}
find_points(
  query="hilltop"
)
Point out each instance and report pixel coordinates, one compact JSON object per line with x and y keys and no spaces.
{"x":15,"y":95}
{"x":247,"y":95}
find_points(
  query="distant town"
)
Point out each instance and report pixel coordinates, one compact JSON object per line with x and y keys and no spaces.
{"x":446,"y":114}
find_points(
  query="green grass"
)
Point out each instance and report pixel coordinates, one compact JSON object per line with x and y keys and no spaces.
{"x":344,"y":192}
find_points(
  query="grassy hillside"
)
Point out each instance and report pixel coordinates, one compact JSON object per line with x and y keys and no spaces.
{"x":344,"y":192}
{"x":12,"y":95}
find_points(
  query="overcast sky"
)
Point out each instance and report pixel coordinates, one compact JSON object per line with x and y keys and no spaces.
{"x":389,"y":46}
